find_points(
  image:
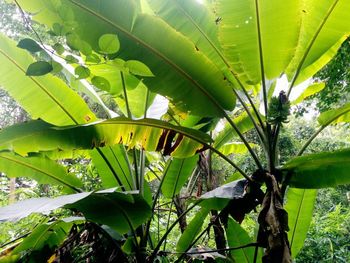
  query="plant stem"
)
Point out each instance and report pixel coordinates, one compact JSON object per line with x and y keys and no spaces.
{"x":156,"y":250}
{"x":311,"y":139}
{"x":234,"y":126}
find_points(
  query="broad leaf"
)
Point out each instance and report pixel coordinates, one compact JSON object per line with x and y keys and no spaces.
{"x":101,"y":83}
{"x":300,"y":205}
{"x":121,"y":211}
{"x":108,"y":44}
{"x":39,"y":68}
{"x":327,"y":169}
{"x":235,"y":147}
{"x":243,"y":43}
{"x":54,"y":101}
{"x":39,"y":168}
{"x":192,"y":230}
{"x":43,"y":205}
{"x":322,"y":32}
{"x":188,"y":77}
{"x":178,"y":171}
{"x":237,"y":237}
{"x":309,"y":91}
{"x":149,"y":134}
{"x":194,"y":20}
{"x":113,"y":166}
{"x":48,"y":234}
{"x":138,"y":68}
{"x":82,"y":72}
{"x":243,"y":123}
{"x":29,"y":44}
{"x":334,"y":116}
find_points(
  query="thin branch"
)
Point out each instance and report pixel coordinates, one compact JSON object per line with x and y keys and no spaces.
{"x":320,"y":130}
{"x":309,"y":141}
{"x":110,"y":166}
{"x":258,"y":129}
{"x":211,"y":251}
{"x":252,"y":153}
{"x":156,"y":250}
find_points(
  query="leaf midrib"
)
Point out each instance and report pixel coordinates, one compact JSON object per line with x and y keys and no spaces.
{"x":154,"y":51}
{"x":40,"y":86}
{"x":40,"y":171}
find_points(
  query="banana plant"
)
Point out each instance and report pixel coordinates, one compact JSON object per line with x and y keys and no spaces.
{"x":216,"y":61}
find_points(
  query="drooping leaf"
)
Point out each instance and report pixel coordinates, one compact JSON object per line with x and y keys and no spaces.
{"x":54,"y":101}
{"x":121,"y":211}
{"x":29,"y":44}
{"x":322,"y":32}
{"x":237,"y":199}
{"x":70,"y":59}
{"x":188,"y":77}
{"x":39,"y":168}
{"x":235,"y":147}
{"x":138,"y":68}
{"x":82,"y":72}
{"x":48,"y":234}
{"x":56,"y":67}
{"x":242,"y":122}
{"x":195,"y":21}
{"x":43,"y":205}
{"x":113,"y":166}
{"x":309,"y":91}
{"x":136,"y":99}
{"x":237,"y":237}
{"x":327,"y":169}
{"x":178,"y":171}
{"x":192,"y":230}
{"x":299,"y":206}
{"x":39,"y":68}
{"x":246,"y":47}
{"x":58,"y":48}
{"x":149,"y":134}
{"x":335,"y":115}
{"x":101,"y":83}
{"x":109,"y":44}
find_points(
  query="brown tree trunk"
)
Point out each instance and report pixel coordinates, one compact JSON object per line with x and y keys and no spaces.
{"x":12,"y":192}
{"x":273,"y":220}
{"x":180,"y":209}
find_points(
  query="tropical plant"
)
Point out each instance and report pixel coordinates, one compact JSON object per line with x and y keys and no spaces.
{"x":214,"y":61}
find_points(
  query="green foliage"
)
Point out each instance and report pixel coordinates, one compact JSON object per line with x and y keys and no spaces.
{"x":208,"y":56}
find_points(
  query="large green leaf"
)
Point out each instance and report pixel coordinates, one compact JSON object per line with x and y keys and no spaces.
{"x":300,"y":205}
{"x":309,"y":91}
{"x":177,"y":174}
{"x":121,"y":211}
{"x":235,"y":147}
{"x":243,"y":123}
{"x":39,"y":168}
{"x":188,"y":77}
{"x":327,"y":169}
{"x":334,"y":116}
{"x":46,"y":97}
{"x":149,"y":134}
{"x":192,"y":230}
{"x":252,"y":28}
{"x":195,"y":21}
{"x":237,"y":237}
{"x":113,"y":166}
{"x":49,"y":234}
{"x":324,"y":27}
